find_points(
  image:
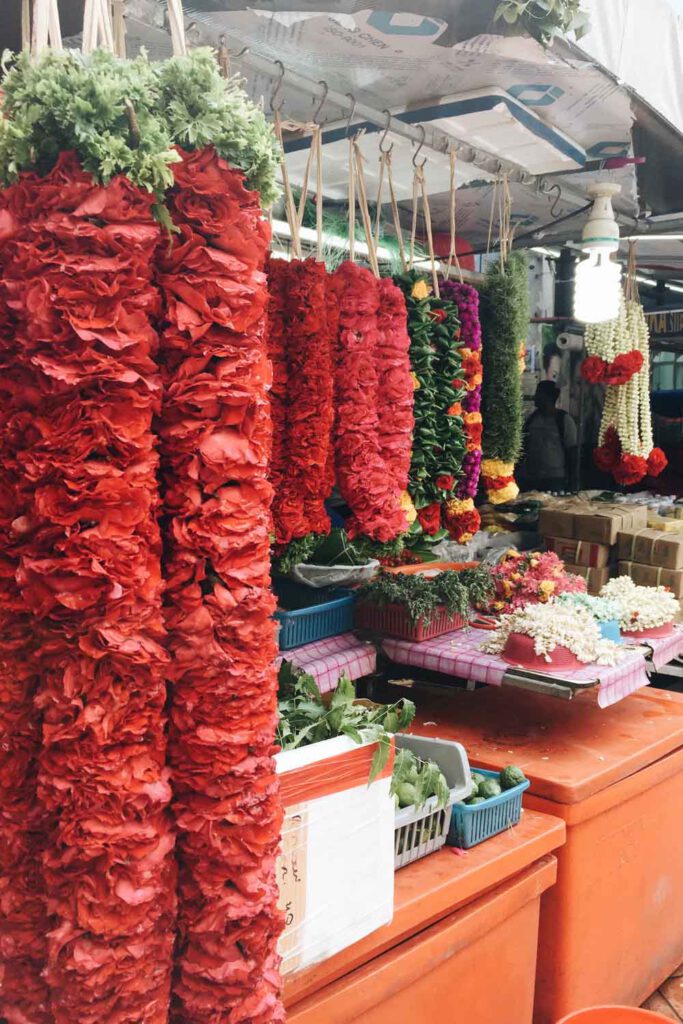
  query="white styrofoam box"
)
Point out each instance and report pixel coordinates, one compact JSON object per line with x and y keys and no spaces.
{"x":336,"y":868}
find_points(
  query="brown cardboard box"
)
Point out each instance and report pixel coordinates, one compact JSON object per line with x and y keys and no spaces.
{"x":579,"y":552}
{"x":654,"y":576}
{"x":602,"y":524}
{"x":595,"y":578}
{"x":592,"y":521}
{"x":652,"y":547}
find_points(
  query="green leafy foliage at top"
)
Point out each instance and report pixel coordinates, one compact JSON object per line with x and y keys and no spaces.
{"x":202,"y":108}
{"x":504,"y":313}
{"x":67,"y":101}
{"x":125,"y":117}
{"x":306,"y":716}
{"x":422,"y":595}
{"x":546,"y":18}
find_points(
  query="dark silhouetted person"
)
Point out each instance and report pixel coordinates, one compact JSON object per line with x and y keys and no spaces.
{"x":550,"y":440}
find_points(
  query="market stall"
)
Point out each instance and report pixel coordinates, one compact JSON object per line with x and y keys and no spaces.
{"x":241,"y":480}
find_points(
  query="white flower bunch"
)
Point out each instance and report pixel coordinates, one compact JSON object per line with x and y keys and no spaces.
{"x":609,"y":338}
{"x":641,"y":607}
{"x":627,"y":406}
{"x":556,"y":624}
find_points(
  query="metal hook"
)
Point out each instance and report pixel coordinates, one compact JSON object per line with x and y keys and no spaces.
{"x":384,"y":136}
{"x":321,"y":104}
{"x":554,"y":209}
{"x":277,"y":88}
{"x":419,"y":149}
{"x":354,"y":104}
{"x":242,"y":53}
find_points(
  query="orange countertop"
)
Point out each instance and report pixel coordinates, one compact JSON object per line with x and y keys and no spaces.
{"x":434,"y":887}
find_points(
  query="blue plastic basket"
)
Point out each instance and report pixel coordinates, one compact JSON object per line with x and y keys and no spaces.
{"x":473,"y":823}
{"x":610,"y":630}
{"x":306,"y":615}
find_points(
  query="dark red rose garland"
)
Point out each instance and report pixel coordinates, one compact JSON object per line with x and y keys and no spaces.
{"x":215,"y":431}
{"x":77,"y":266}
{"x":395,"y":388}
{"x":278,"y":273}
{"x":371,"y":492}
{"x":298,"y":507}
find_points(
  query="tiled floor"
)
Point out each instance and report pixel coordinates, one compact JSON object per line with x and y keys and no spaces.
{"x":669,"y":999}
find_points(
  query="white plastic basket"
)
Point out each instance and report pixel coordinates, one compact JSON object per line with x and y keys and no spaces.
{"x":422,"y":830}
{"x":334,"y":575}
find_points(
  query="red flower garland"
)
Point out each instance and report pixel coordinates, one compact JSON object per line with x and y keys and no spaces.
{"x":298,"y":506}
{"x":215,"y":431}
{"x":278,"y":272}
{"x":627,"y":469}
{"x":395,"y":389}
{"x":23,"y":918}
{"x":77,"y":266}
{"x":373,"y":496}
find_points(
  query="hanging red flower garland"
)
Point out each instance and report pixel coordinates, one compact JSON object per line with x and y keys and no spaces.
{"x":215,"y":431}
{"x":278,"y":273}
{"x":372,"y":494}
{"x":298,"y":506}
{"x":77,"y":268}
{"x":23,"y":916}
{"x":395,"y":388}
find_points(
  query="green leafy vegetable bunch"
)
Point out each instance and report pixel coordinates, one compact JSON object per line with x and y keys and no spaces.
{"x":421,"y":596}
{"x":546,"y":18}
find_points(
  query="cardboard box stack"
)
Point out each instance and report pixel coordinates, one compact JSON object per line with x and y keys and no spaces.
{"x":652,"y":558}
{"x":584,"y":535}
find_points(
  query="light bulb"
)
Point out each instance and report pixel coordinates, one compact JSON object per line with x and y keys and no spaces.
{"x":597,"y":292}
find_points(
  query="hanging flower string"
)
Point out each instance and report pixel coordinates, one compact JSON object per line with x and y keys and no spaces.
{"x":394,"y":384}
{"x":215,"y":431}
{"x":77,"y":278}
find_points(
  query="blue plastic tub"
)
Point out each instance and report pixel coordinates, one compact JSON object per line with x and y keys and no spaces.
{"x":472,"y":824}
{"x":306,"y":614}
{"x":610,"y":630}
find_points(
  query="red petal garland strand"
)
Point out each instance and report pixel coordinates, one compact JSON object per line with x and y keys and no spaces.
{"x":395,"y":391}
{"x":24,"y":994}
{"x":216,"y":436}
{"x":77,"y":265}
{"x":278,"y":272}
{"x":373,"y":497}
{"x":298,"y":507}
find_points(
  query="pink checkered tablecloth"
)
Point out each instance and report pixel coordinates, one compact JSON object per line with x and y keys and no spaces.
{"x":459,"y":655}
{"x":326,"y":660}
{"x":667,"y":649}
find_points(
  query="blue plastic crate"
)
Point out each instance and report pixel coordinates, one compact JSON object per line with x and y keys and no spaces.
{"x":306,"y":615}
{"x":473,"y":823}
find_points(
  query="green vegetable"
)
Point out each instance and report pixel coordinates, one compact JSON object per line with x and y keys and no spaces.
{"x":471,"y":801}
{"x":511,"y":777}
{"x":306,"y":716}
{"x":414,"y":781}
{"x":546,"y":19}
{"x":477,"y":779}
{"x":422,"y":595}
{"x":489,"y":788}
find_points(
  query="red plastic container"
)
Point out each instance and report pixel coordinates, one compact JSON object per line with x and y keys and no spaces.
{"x":393,"y":620}
{"x":519,"y":650}
{"x":615,"y":1015}
{"x":655,"y":632}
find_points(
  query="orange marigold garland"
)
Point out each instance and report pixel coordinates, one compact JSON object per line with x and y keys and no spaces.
{"x":215,"y":432}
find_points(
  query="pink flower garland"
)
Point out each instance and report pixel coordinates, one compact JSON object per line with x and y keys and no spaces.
{"x":372,"y":494}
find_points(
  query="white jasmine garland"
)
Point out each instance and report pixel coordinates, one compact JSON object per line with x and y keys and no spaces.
{"x":603,"y":609}
{"x":641,"y":607}
{"x":556,"y":624}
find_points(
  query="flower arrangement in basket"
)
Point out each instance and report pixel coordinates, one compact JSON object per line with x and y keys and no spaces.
{"x":415,"y":607}
{"x":521,"y":578}
{"x":551,"y":635}
{"x":644,"y":611}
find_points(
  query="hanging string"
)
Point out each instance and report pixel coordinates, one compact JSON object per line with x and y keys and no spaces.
{"x":319,"y":198}
{"x":303,"y":198}
{"x":290,"y":208}
{"x":386,"y":172}
{"x":453,"y":247}
{"x":428,"y":225}
{"x":98,"y":30}
{"x":176,"y":21}
{"x":413,"y":225}
{"x":492,"y":215}
{"x":364,"y":209}
{"x":380,"y":189}
{"x":352,"y":203}
{"x":119,"y":25}
{"x":631,"y":290}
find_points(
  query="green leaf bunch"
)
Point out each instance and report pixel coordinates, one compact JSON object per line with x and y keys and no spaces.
{"x":306,"y":716}
{"x":202,"y":108}
{"x":126,"y":116}
{"x":69,"y":101}
{"x":504,"y":314}
{"x":414,"y":781}
{"x":421,"y":595}
{"x":546,"y":19}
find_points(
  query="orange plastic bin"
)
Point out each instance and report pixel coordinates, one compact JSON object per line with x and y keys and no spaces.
{"x":612,"y":927}
{"x":615,"y":1015}
{"x":459,"y":923}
